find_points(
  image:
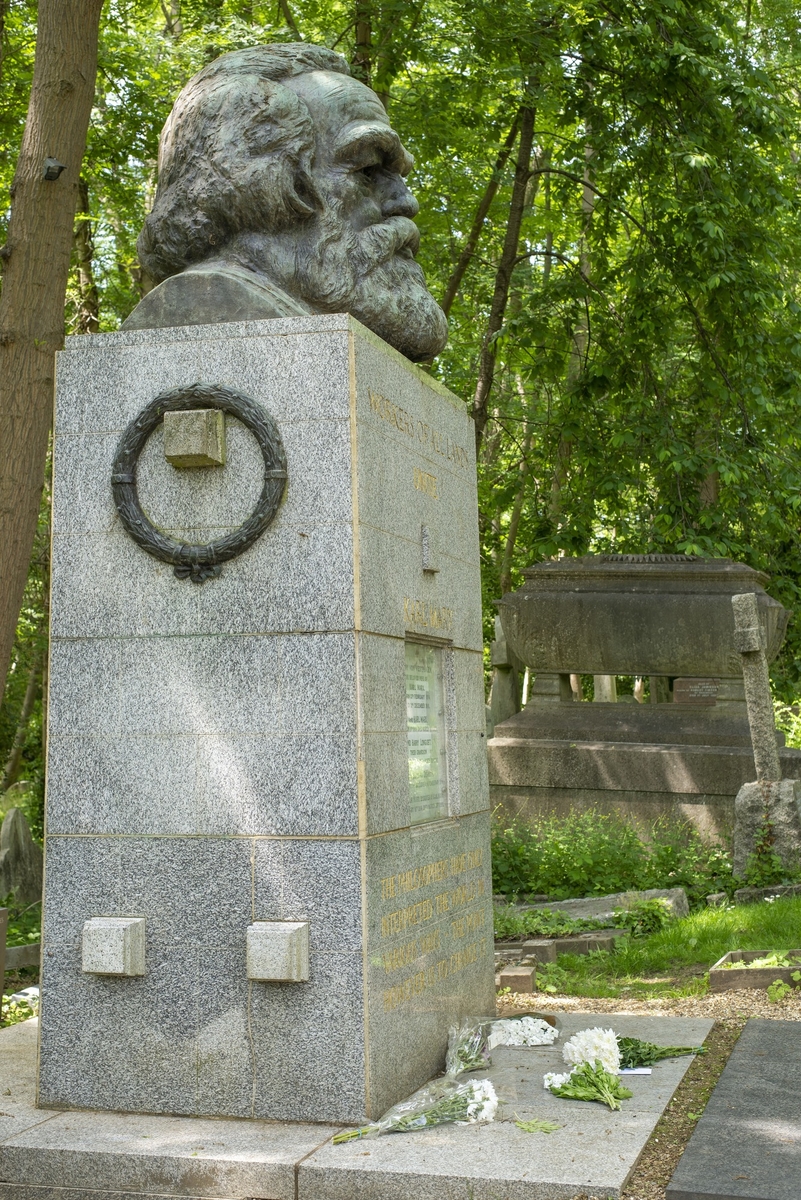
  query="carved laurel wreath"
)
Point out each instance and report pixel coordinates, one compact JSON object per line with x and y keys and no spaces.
{"x":198,"y":563}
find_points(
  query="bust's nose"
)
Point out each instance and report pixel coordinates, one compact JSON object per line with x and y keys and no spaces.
{"x":396,"y":199}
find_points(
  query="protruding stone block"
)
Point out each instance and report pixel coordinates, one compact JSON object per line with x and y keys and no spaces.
{"x":278,"y":951}
{"x":195,"y":438}
{"x":113,"y":946}
{"x":519,"y":979}
{"x":759,"y":803}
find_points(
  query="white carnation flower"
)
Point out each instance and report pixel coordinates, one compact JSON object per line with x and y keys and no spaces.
{"x":552,"y":1080}
{"x":591,"y":1046}
{"x":484,"y":1104}
{"x":525,"y":1031}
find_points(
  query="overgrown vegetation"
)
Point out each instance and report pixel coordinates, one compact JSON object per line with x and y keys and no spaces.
{"x":676,"y":960}
{"x":631,"y":335}
{"x":590,"y":853}
{"x":24,"y":923}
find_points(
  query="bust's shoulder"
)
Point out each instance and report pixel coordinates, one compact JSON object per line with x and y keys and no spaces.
{"x":210,"y":293}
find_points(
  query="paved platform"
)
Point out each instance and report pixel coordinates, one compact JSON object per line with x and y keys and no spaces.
{"x":747,"y":1145}
{"x":47,"y":1155}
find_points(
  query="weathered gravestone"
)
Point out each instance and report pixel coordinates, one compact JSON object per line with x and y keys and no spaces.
{"x":20,"y":860}
{"x":771,"y":806}
{"x":268,"y":876}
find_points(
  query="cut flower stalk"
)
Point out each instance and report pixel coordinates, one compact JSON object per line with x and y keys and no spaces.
{"x":589,"y":1081}
{"x":635,"y":1053}
{"x":440,"y":1103}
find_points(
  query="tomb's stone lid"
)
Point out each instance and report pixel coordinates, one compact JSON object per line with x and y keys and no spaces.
{"x":636,"y":614}
{"x":645,"y":573}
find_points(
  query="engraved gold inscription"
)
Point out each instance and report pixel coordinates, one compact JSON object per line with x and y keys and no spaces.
{"x":404,"y":918}
{"x":425,"y":483}
{"x":423,"y":615}
{"x":428,"y":437}
{"x":469,"y":923}
{"x":433,"y":872}
{"x":433,"y":975}
{"x":408,"y":952}
{"x":457,"y":897}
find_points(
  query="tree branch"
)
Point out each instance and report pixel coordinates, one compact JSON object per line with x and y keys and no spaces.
{"x":453,"y":284}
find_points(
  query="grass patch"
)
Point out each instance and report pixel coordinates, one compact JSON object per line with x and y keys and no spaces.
{"x":674,"y":962}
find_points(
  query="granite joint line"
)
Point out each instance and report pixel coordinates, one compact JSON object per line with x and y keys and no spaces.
{"x":361,"y":789}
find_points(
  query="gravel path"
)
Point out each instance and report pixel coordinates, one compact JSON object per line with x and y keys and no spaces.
{"x":730,"y":1011}
{"x":743,"y":1003}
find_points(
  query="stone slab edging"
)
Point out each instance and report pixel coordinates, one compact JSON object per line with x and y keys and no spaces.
{"x":747,"y":1144}
{"x":76,"y":1155}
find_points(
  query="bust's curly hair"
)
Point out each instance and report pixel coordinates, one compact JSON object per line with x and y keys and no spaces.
{"x":235,"y":154}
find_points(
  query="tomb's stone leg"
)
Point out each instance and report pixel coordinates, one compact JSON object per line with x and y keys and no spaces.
{"x":276,"y":778}
{"x":771,"y":804}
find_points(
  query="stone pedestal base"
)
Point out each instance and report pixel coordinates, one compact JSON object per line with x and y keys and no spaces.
{"x":778,"y":803}
{"x":123,"y":1156}
{"x":292,"y":751}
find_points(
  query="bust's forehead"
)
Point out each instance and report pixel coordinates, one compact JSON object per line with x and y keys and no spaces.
{"x":336,"y":101}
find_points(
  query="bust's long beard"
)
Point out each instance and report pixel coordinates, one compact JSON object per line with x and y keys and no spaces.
{"x":371,"y":274}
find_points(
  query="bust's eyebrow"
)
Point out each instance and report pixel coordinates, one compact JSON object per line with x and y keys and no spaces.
{"x":362,"y":141}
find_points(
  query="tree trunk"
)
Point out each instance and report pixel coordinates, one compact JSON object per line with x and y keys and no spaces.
{"x":289,"y":20}
{"x":517,"y":507}
{"x":88,"y":314}
{"x":362,"y":53}
{"x":173,"y":25}
{"x":37,"y":260}
{"x":453,"y":284}
{"x":12,"y":766}
{"x":503,"y":277}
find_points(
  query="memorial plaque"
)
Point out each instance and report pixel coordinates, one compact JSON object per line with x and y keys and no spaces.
{"x":426,"y":737}
{"x":702,"y":692}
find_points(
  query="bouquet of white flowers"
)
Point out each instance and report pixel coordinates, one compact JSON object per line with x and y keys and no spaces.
{"x":522,"y":1031}
{"x":588,"y":1081}
{"x":440,"y":1103}
{"x":468,"y":1048}
{"x":591,"y":1046}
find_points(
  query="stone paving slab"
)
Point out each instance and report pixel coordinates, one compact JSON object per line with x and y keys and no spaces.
{"x":747,"y":1145}
{"x":45,"y":1155}
{"x":593,"y":1152}
{"x":92,"y":1156}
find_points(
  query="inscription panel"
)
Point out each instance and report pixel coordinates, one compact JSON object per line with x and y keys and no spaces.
{"x":427,"y":436}
{"x":442,"y":929}
{"x":426,"y":738}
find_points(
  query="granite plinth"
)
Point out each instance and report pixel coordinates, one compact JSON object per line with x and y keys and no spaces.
{"x":238,"y":752}
{"x":637,"y":780}
{"x":747,"y":1144}
{"x":81,"y":1156}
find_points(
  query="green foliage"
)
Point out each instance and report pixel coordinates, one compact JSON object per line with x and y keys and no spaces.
{"x":590,"y":853}
{"x":14,"y":1011}
{"x":636,"y":1053}
{"x":779,"y":989}
{"x":775,"y":959}
{"x":537,"y":1125}
{"x":644,"y":916}
{"x":510,"y":923}
{"x":24,"y":923}
{"x":764,"y":868}
{"x":674,"y":962}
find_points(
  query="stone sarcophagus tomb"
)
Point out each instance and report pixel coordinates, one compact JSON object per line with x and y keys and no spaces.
{"x":668,"y":617}
{"x":267,"y":835}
